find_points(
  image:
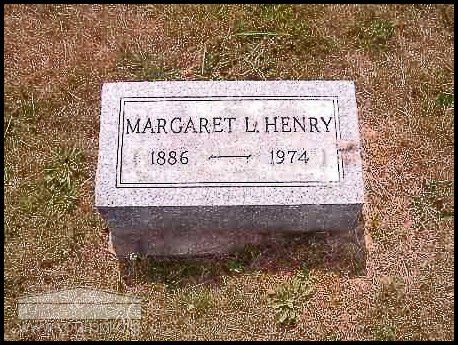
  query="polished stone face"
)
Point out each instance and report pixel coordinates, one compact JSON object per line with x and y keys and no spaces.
{"x":228,"y":141}
{"x":228,"y":155}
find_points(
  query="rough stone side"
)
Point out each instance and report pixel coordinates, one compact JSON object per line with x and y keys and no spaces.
{"x":217,"y":230}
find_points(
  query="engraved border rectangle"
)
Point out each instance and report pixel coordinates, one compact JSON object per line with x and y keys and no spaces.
{"x":221,"y":184}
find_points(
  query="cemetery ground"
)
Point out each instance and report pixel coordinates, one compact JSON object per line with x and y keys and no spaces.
{"x":392,"y":278}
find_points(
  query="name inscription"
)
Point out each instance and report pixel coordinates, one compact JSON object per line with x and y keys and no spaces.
{"x":179,"y":125}
{"x":228,"y":142}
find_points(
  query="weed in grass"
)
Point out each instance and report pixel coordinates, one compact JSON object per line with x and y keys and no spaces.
{"x":56,"y":194}
{"x":270,"y":18}
{"x":66,"y":167}
{"x":61,"y":177}
{"x":293,"y":34}
{"x":235,"y":265}
{"x":60,"y":201}
{"x":437,"y":121}
{"x":445,"y":99}
{"x":134,"y":63}
{"x":374,"y":34}
{"x":197,"y":299}
{"x":290,"y":297}
{"x":283,"y":20}
{"x":300,"y":29}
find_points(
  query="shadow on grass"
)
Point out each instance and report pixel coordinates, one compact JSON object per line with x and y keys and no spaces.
{"x":342,"y":252}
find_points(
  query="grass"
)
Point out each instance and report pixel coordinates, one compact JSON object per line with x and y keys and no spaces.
{"x":291,"y":296}
{"x":383,"y":332}
{"x":56,"y":193}
{"x":197,"y":300}
{"x":391,"y":280}
{"x":138,"y":65}
{"x":433,"y":203}
{"x":445,"y":99}
{"x":374,"y":34}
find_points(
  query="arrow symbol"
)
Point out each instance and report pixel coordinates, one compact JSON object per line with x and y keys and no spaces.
{"x":230,"y":156}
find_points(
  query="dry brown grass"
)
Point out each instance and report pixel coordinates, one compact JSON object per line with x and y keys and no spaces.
{"x":395,"y":281}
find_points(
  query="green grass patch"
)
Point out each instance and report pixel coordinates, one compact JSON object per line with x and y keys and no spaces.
{"x":25,"y":117}
{"x":235,"y":265}
{"x":178,"y":272}
{"x":276,"y":13}
{"x":383,"y":332}
{"x":268,"y":18}
{"x":21,"y":117}
{"x":56,"y":194}
{"x":143,"y":66}
{"x":197,"y":299}
{"x":373,"y":34}
{"x":174,"y":273}
{"x":445,"y":99}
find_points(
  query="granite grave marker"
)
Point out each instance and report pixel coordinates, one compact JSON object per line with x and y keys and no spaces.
{"x":196,"y":167}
